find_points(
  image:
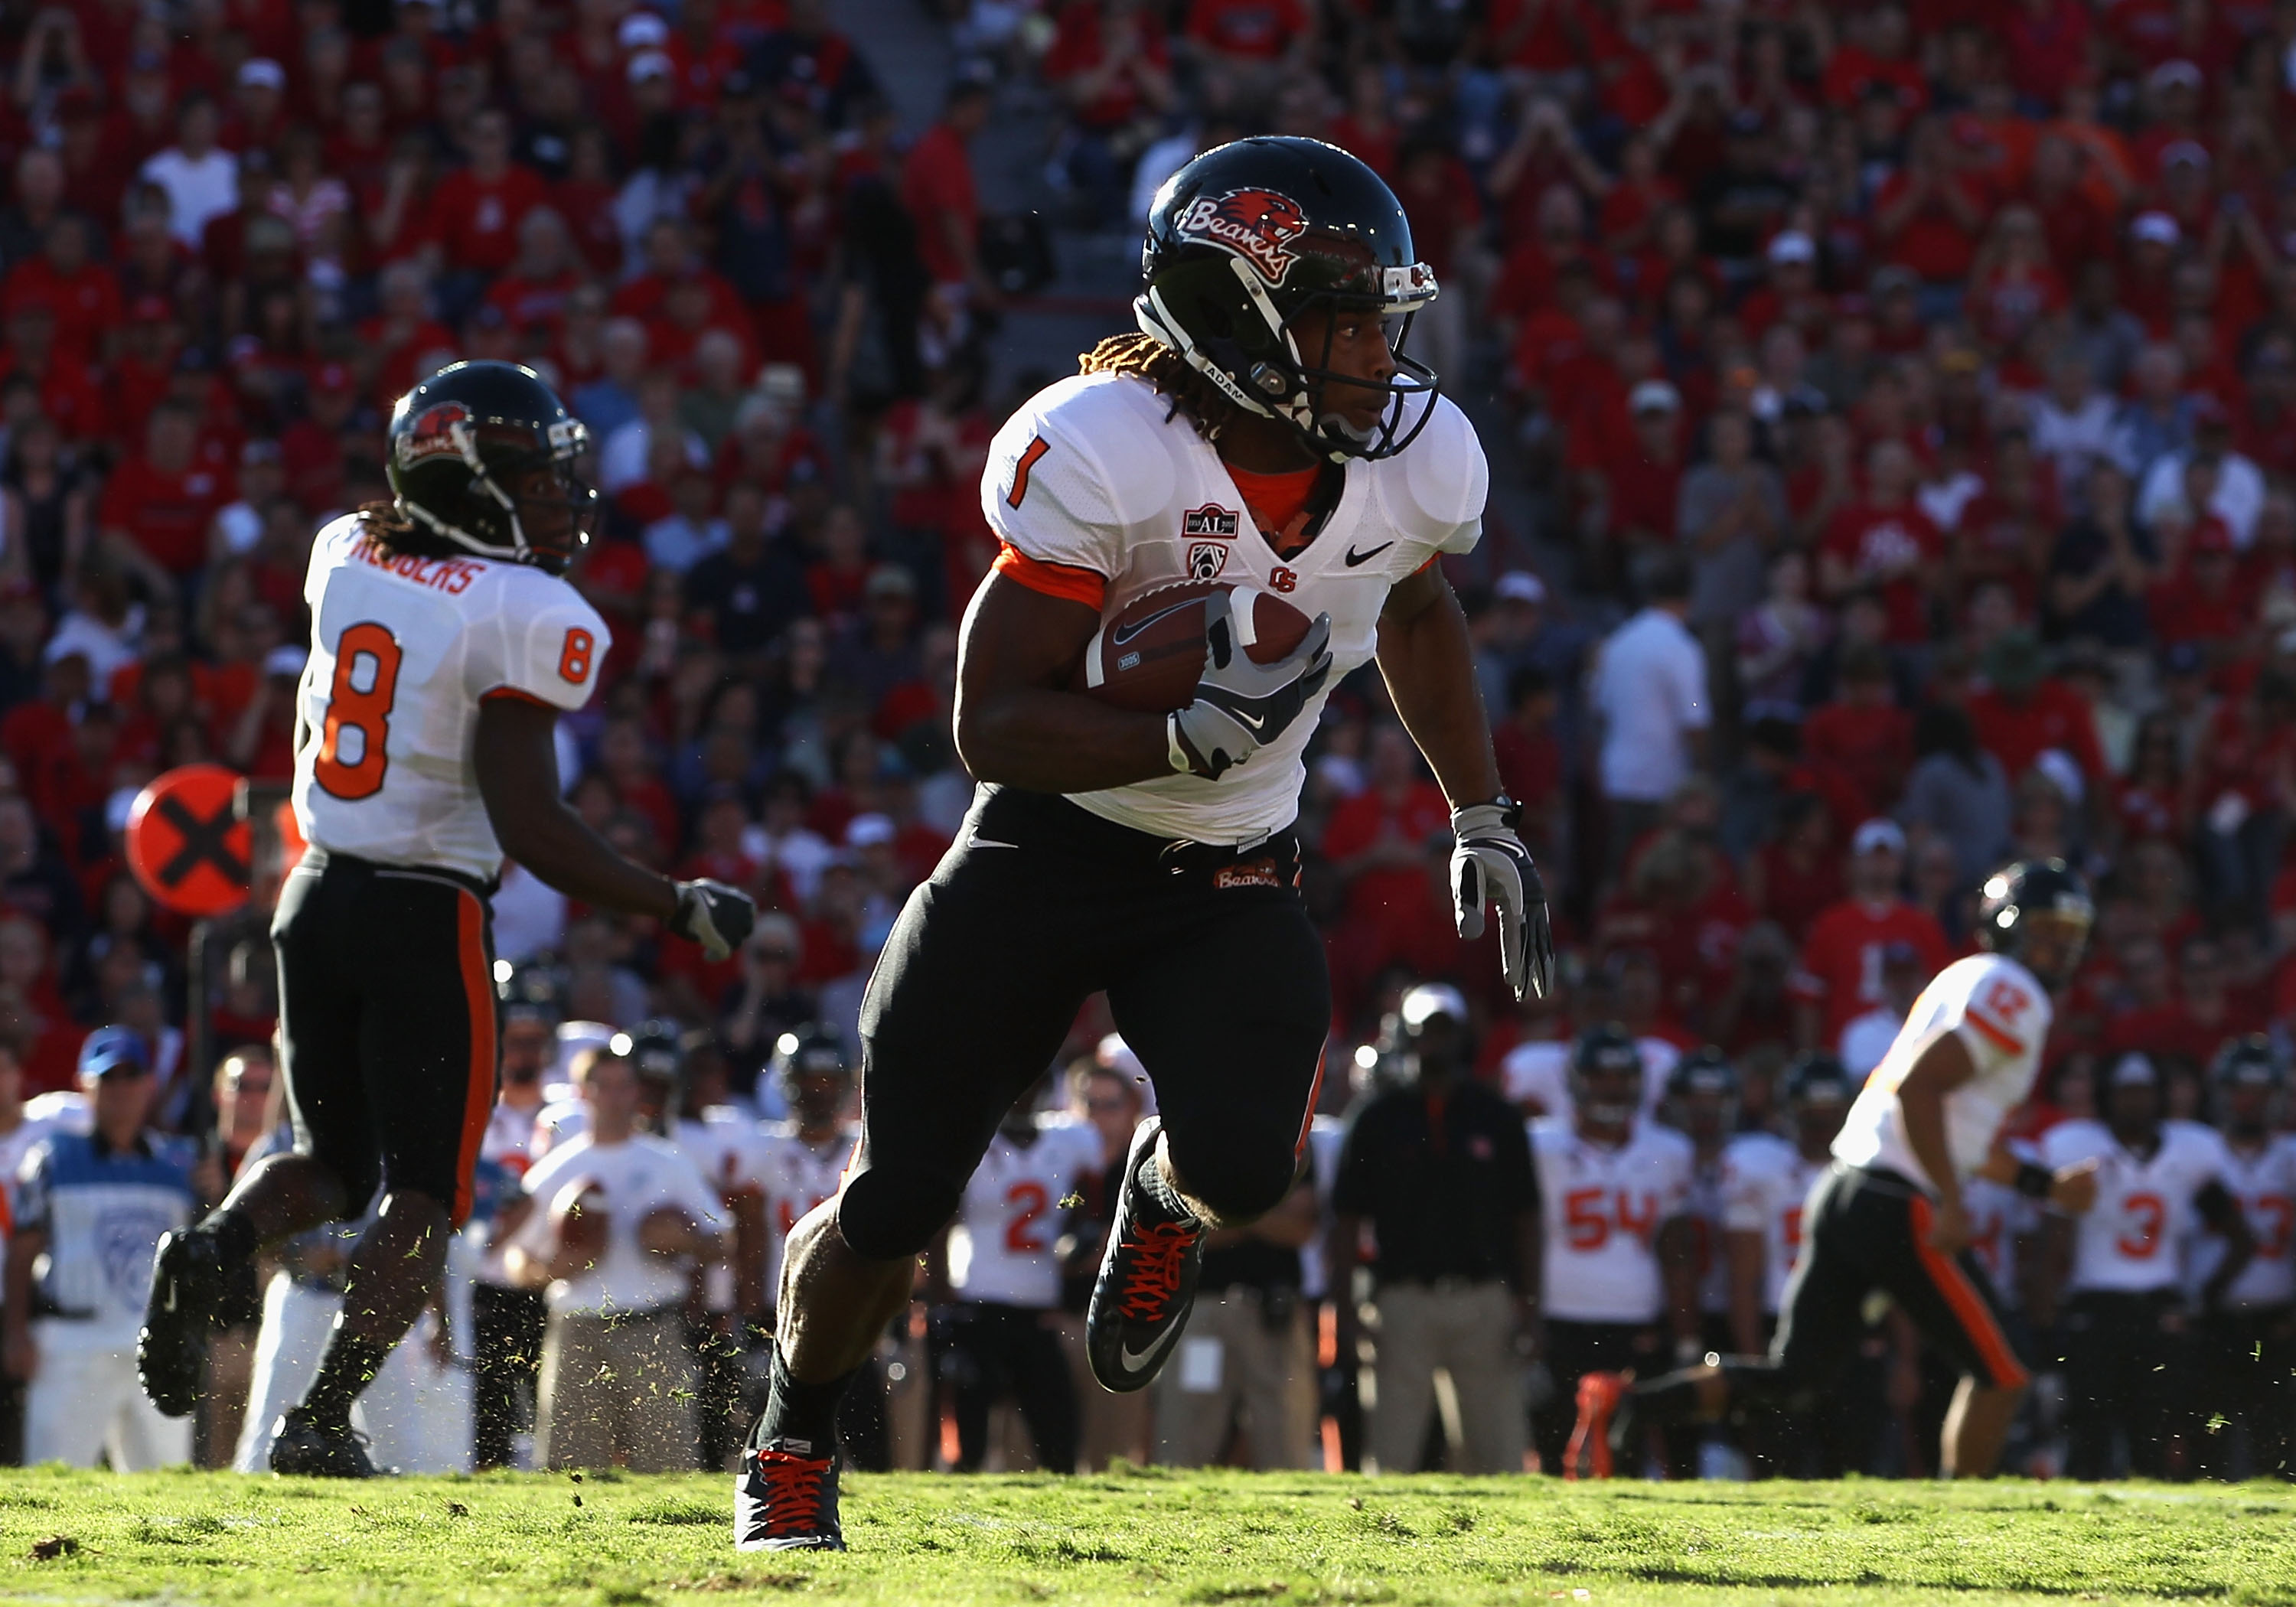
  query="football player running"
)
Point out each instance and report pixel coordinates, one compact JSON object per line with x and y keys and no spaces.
{"x":444,"y":644}
{"x":1261,"y":427}
{"x":1889,"y":1214}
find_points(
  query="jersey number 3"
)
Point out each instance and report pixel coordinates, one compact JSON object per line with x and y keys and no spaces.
{"x":358,"y":704}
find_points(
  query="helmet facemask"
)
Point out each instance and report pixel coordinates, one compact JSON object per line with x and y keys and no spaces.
{"x":494,"y":477}
{"x":1265,"y":370}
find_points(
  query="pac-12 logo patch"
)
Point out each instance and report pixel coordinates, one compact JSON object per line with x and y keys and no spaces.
{"x":1258,"y":225}
{"x":432,"y":433}
{"x":1206,"y":560}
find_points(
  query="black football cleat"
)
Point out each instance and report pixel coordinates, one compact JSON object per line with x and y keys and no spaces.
{"x":304,"y":1446}
{"x":785,"y":1499}
{"x":1147,"y":1280}
{"x":187,"y":1278}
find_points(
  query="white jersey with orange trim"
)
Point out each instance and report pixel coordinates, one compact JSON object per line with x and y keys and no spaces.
{"x":1602,"y":1209}
{"x":1764,"y":1182}
{"x":2264,"y":1182}
{"x":2001,"y":1013}
{"x":2133,"y":1240}
{"x":1098,"y":492}
{"x":1001,"y":1248}
{"x":796,"y":1176}
{"x":403,"y":651}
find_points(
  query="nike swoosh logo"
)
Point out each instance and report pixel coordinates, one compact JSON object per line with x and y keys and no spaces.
{"x":1142,"y":1361}
{"x":988,"y":842}
{"x":1120,"y":635}
{"x":1353,"y":557}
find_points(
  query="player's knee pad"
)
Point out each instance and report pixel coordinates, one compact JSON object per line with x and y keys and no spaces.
{"x":891,"y":1216}
{"x":1241,"y":1176}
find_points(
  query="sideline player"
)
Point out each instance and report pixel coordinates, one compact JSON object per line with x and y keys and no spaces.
{"x":1889,"y":1213}
{"x":2248,"y":1355}
{"x":444,"y":644}
{"x":1260,"y":428}
{"x":1621,"y":1245}
{"x":2128,"y":1334}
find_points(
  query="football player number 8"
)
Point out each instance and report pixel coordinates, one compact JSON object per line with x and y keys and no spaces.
{"x":351,"y":757}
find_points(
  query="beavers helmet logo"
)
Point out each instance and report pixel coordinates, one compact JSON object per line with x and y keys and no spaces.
{"x":433,"y":432}
{"x":1258,"y":225}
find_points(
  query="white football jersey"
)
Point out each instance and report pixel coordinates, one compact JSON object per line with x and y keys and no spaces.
{"x":1539,"y":1073}
{"x":1998,"y":1217}
{"x":2264,"y":1185}
{"x":728,"y":1150}
{"x":1096,"y":477}
{"x":1765,"y":1180}
{"x":403,"y":651}
{"x":2002,"y":1012}
{"x":796,"y":1176}
{"x":1001,"y":1248}
{"x":2133,"y":1239}
{"x":1602,"y":1209}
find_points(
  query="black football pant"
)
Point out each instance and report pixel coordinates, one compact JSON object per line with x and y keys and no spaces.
{"x":2245,"y":1394}
{"x":2126,"y":1360}
{"x":984,"y":1352}
{"x":1214,"y":974}
{"x":507,"y":1341}
{"x":386,"y":1023}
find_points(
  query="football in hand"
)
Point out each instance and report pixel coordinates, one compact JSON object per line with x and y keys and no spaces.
{"x":1149,"y":655}
{"x":583,"y":1221}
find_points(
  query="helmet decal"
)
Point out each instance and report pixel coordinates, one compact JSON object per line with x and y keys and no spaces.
{"x":1259,"y":226}
{"x":436,"y":431}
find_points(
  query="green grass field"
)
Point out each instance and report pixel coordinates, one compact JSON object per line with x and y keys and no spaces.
{"x":1140,"y":1536}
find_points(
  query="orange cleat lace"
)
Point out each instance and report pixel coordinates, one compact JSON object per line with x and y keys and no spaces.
{"x":792,"y":1489}
{"x":1159,"y":1256}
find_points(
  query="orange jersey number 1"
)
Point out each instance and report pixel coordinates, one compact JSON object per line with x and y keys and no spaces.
{"x":366,"y":683}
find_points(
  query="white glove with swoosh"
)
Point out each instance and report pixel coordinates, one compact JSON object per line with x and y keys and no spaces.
{"x":1241,"y":706}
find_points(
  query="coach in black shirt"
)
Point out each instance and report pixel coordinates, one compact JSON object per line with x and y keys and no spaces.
{"x":1439,"y":1167}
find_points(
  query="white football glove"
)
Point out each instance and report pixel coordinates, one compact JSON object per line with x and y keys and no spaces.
{"x":1241,"y":706}
{"x":716,"y":916}
{"x":1489,"y":861}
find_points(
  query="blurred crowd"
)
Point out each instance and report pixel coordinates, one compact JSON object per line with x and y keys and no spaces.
{"x":1892,"y":406}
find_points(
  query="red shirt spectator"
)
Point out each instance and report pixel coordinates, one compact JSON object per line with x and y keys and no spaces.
{"x":1378,"y":838}
{"x":1842,"y":956}
{"x":1889,"y":544}
{"x":163,"y":498}
{"x":476,"y":210}
{"x":1863,"y":734}
{"x":937,"y":187}
{"x":1251,"y":30}
{"x":2019,"y":719}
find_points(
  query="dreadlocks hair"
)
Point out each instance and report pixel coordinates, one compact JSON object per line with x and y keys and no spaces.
{"x":1146,"y":358}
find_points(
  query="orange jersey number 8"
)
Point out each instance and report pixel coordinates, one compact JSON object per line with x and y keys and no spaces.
{"x":366,"y":684}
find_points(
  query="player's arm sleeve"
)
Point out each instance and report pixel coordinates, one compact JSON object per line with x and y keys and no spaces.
{"x":544,"y":644}
{"x":1446,"y":481}
{"x":1999,"y":1022}
{"x":1052,"y":494}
